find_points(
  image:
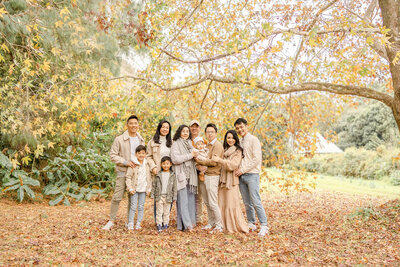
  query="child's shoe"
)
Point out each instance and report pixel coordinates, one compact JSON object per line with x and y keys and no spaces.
{"x":138,"y":226}
{"x":130,"y":226}
{"x":165,"y":226}
{"x":159,"y":228}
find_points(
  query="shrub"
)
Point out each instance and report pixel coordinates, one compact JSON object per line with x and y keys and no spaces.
{"x":15,"y":179}
{"x":78,"y":174}
{"x":353,"y":162}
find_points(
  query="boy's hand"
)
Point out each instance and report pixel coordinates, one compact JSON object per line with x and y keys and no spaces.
{"x":148,"y":194}
{"x":174,"y":202}
{"x":154,"y":170}
{"x":132,"y":192}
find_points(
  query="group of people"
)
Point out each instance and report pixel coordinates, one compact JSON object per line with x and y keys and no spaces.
{"x":188,"y":170}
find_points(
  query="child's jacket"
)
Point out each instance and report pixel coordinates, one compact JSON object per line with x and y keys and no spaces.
{"x":132,"y":177}
{"x":171,"y":187}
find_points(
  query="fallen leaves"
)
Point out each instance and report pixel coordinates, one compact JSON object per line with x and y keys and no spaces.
{"x":306,"y":229}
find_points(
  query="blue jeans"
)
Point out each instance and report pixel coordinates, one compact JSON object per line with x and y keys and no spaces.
{"x":249,"y":185}
{"x":135,"y":198}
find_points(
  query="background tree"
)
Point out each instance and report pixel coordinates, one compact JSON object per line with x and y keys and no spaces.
{"x":338,"y":47}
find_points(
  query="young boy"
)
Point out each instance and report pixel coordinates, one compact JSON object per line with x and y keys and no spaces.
{"x":164,"y":192}
{"x":200,"y":146}
{"x":138,"y":183}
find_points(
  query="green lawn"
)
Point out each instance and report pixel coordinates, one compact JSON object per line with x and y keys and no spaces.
{"x":344,"y":185}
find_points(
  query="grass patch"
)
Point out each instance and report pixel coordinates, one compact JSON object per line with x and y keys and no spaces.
{"x":342,"y":184}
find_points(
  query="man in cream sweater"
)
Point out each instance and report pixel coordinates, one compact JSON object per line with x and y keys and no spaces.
{"x":249,"y":174}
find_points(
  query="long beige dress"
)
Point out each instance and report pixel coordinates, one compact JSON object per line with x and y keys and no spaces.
{"x":228,"y":193}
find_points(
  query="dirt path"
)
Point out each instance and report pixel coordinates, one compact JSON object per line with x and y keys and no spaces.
{"x":305,"y":230}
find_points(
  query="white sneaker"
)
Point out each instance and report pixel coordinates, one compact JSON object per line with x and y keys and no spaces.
{"x":138,"y":226}
{"x":108,"y":225}
{"x":130,"y":226}
{"x":217,"y":229}
{"x":263,"y":231}
{"x":252,"y":226}
{"x":207,"y":227}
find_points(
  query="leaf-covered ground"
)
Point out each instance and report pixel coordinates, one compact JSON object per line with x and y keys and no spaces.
{"x":322,"y":228}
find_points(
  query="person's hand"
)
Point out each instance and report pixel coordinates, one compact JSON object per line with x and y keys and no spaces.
{"x":238,"y":172}
{"x":132,"y":192}
{"x":131,"y":164}
{"x":173,"y":202}
{"x":195,"y":153}
{"x":148,"y":194}
{"x":216,"y":158}
{"x":154,"y":170}
{"x":201,"y":168}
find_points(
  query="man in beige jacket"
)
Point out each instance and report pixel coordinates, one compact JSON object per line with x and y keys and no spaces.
{"x":209,"y":189}
{"x":122,"y":152}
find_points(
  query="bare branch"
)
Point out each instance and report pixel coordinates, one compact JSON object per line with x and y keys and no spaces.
{"x":205,"y":95}
{"x":186,"y":85}
{"x":316,"y":86}
{"x":273,"y":33}
{"x":261,"y":113}
{"x":301,"y":87}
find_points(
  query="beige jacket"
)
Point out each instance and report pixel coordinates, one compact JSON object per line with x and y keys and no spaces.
{"x":230,"y":163}
{"x":132,"y":179}
{"x":251,"y":162}
{"x":153,"y":155}
{"x":214,"y":168}
{"x":120,"y":152}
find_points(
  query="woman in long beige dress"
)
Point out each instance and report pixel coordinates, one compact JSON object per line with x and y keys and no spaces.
{"x":228,"y":191}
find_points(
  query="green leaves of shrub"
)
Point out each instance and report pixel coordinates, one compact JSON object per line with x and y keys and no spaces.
{"x":16,"y":180}
{"x":77,"y":174}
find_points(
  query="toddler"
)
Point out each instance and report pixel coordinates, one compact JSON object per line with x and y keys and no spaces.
{"x":200,"y":146}
{"x":164,"y":193}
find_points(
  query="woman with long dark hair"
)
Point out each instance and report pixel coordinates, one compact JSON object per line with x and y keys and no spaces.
{"x":228,"y":191}
{"x":157,"y":148}
{"x":182,"y":155}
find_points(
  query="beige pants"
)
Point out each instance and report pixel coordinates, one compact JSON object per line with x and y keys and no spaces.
{"x":163,"y":209}
{"x":209,"y":191}
{"x":119,"y":190}
{"x":199,"y":203}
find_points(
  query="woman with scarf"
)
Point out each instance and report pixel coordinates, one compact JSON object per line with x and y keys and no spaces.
{"x":228,"y":192}
{"x":182,"y":155}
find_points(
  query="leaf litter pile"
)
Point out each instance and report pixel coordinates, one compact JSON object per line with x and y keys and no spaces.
{"x":322,"y":228}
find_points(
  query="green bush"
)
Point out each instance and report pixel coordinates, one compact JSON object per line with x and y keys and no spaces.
{"x":353,"y":162}
{"x":395,"y":177}
{"x":79,"y":174}
{"x":15,"y":179}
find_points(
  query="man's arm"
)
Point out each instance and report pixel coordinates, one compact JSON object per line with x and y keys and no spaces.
{"x":256,"y":156}
{"x":114,"y":154}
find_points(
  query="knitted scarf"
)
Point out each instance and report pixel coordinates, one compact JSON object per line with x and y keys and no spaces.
{"x":185,"y":147}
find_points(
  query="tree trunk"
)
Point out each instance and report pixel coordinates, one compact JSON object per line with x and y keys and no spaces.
{"x":390,"y":10}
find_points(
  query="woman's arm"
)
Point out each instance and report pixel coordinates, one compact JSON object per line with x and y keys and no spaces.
{"x":177,"y":157}
{"x":234,"y":163}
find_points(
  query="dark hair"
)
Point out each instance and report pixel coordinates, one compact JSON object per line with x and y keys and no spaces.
{"x":211,"y":125}
{"x":165,"y":158}
{"x":131,"y":118}
{"x":156,"y":136}
{"x":237,"y":143}
{"x":140,"y":148}
{"x":240,"y":121}
{"x":178,"y":132}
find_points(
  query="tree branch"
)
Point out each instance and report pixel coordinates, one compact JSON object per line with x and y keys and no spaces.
{"x":339,"y":89}
{"x":273,"y":33}
{"x":315,"y":86}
